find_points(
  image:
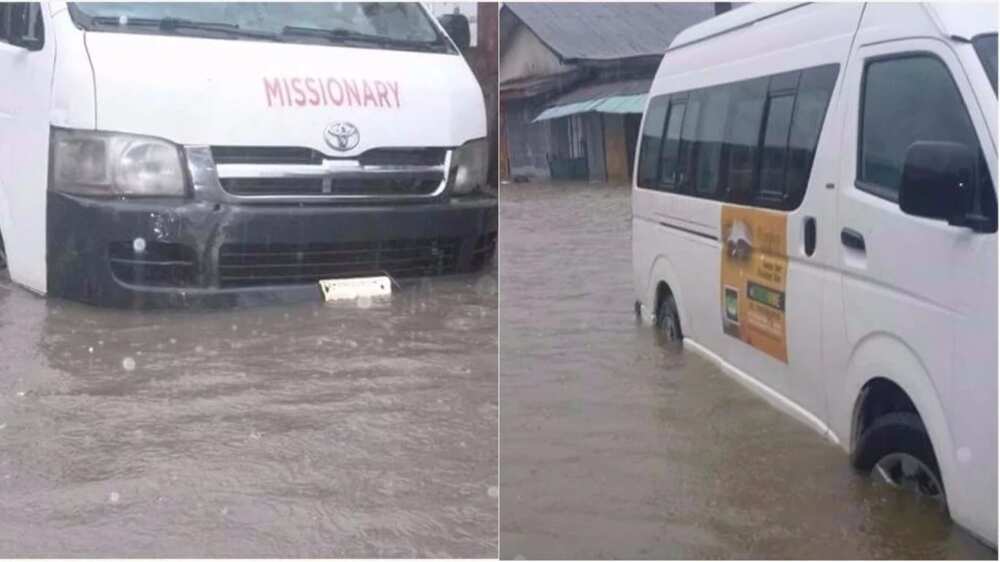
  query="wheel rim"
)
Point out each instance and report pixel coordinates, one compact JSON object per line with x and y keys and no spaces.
{"x":906,"y":471}
{"x":668,"y":325}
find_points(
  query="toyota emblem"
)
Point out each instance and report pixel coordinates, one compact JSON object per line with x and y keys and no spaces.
{"x":341,"y":136}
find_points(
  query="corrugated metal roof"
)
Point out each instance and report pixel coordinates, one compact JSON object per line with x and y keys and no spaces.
{"x":605,"y":89}
{"x":623,"y":96}
{"x":608,"y":31}
{"x":612,"y":104}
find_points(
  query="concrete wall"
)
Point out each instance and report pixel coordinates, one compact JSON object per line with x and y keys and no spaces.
{"x":527,"y":143}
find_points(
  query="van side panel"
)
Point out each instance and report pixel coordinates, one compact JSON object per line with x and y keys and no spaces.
{"x":73,"y":104}
{"x":687,"y":229}
{"x":919,"y":301}
{"x":24,"y":142}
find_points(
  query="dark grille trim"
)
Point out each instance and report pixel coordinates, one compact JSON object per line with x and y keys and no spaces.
{"x":314,"y":186}
{"x":243,"y":265}
{"x":160,"y":264}
{"x":302,"y":155}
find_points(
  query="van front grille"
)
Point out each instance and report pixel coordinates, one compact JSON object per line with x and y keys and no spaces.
{"x":289,"y":173}
{"x":300,"y":155}
{"x":314,"y":186}
{"x":242,"y":265}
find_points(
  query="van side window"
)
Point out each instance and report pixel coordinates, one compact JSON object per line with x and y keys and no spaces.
{"x":685,"y":165}
{"x":671,"y":146}
{"x":19,"y":15}
{"x":751,"y":142}
{"x":5,"y":22}
{"x":649,"y":147}
{"x":774,"y":152}
{"x":904,"y":100}
{"x":743,"y":138}
{"x":708,"y":146}
{"x":815,"y":88}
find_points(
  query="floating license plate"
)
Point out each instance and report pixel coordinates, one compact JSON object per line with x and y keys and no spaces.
{"x":354,"y":288}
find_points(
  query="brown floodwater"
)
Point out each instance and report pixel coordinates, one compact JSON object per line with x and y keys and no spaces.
{"x":336,"y":430}
{"x":615,"y":446}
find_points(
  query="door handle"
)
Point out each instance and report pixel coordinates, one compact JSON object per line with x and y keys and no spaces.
{"x":809,"y":234}
{"x":852,"y":239}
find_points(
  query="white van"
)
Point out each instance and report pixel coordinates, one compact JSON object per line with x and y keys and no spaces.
{"x":176,"y":154}
{"x":814,"y":210}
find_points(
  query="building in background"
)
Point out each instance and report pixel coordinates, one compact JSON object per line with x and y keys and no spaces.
{"x":573,"y":83}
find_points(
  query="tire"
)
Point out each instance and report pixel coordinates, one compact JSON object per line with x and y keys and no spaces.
{"x":896,"y":436}
{"x":668,"y":320}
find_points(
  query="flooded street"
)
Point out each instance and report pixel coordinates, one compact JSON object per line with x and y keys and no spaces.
{"x":334,"y":430}
{"x":613,"y":446}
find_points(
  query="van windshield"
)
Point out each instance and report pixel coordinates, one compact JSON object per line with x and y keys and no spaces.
{"x":986,"y":48}
{"x":402,"y":26}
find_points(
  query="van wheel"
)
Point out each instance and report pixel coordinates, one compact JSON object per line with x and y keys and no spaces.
{"x":668,"y":320}
{"x":897,"y":449}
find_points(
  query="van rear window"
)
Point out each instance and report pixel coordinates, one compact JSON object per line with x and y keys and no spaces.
{"x":752,"y":142}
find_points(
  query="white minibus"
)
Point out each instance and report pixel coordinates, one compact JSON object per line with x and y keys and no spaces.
{"x":814,"y":210}
{"x":194,"y":153}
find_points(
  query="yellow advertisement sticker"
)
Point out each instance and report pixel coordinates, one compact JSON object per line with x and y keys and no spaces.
{"x":754,"y":269}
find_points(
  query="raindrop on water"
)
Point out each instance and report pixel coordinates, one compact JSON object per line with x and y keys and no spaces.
{"x":493,"y":492}
{"x":139,"y":245}
{"x":128,"y":364}
{"x":114,"y":497}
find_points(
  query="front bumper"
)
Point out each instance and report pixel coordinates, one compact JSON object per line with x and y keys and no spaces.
{"x":158,"y":253}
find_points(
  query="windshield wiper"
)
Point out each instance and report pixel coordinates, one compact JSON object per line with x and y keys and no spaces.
{"x":348,"y":36}
{"x":171,"y":25}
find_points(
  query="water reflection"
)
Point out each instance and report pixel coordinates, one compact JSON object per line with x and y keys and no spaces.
{"x":304,"y":430}
{"x":613,"y":445}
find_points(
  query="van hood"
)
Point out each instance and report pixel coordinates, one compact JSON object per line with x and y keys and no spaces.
{"x":197,"y":91}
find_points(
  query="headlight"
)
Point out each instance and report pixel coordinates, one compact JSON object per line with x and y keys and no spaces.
{"x":97,"y":163}
{"x":468,"y":167}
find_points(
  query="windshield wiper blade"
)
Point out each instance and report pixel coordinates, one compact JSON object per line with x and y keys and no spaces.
{"x":348,"y":36}
{"x":171,"y":25}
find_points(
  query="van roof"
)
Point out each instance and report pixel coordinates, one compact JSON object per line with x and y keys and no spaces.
{"x":964,"y":19}
{"x":740,"y":17}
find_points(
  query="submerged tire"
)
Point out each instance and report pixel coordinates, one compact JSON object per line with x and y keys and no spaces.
{"x":896,"y":448}
{"x":668,"y":320}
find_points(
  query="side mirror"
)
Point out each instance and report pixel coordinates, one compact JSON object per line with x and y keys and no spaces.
{"x":25,"y":26}
{"x":939,"y":183}
{"x":457,"y":27}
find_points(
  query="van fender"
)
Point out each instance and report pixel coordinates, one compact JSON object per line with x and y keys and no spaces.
{"x":662,"y":270}
{"x":5,"y":226}
{"x":882,"y":355}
